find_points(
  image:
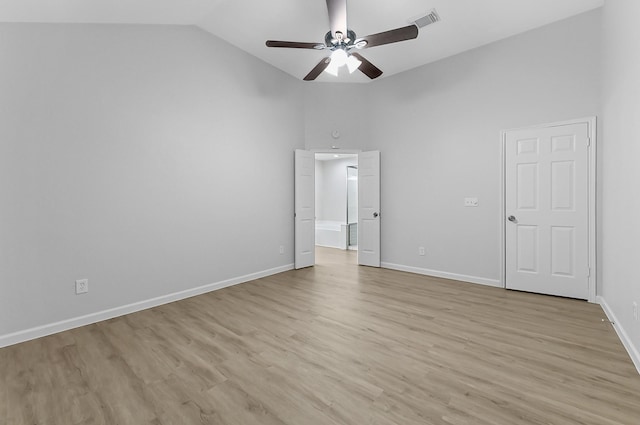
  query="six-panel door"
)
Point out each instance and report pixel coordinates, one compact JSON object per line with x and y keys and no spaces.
{"x":546,"y":204}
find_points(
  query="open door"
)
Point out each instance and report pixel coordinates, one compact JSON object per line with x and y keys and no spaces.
{"x":369,"y":209}
{"x":305,"y":209}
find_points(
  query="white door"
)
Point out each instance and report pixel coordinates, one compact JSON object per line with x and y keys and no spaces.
{"x":305,"y":209}
{"x":546,"y":201}
{"x":369,"y":209}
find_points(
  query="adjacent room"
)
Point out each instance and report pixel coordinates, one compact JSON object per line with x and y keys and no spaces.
{"x":336,"y":200}
{"x":321,"y":212}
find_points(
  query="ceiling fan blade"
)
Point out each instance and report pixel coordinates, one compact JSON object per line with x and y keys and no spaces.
{"x":393,"y":36}
{"x":337,"y":16}
{"x":295,"y":44}
{"x":317,"y":70}
{"x":367,"y":68}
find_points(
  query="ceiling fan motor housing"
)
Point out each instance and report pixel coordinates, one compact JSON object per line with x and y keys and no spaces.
{"x":346,"y":41}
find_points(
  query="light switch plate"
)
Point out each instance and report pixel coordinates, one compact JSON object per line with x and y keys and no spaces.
{"x":470,"y":202}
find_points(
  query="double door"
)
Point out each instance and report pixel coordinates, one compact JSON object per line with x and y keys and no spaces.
{"x":368,"y":209}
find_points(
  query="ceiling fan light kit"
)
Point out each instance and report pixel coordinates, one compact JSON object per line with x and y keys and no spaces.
{"x":342,"y":42}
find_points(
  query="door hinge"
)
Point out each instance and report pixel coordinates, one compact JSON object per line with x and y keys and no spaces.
{"x":588,"y":141}
{"x":588,"y":271}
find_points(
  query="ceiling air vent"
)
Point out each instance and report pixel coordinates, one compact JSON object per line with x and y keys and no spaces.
{"x":428,"y":19}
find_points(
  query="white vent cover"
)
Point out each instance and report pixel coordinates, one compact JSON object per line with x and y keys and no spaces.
{"x":428,"y":19}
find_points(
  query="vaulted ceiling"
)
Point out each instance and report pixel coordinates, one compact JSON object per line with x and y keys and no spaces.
{"x":464,"y":25}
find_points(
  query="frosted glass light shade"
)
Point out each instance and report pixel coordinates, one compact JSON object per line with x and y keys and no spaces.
{"x":353,"y":63}
{"x":339,"y":57}
{"x":332,"y":68}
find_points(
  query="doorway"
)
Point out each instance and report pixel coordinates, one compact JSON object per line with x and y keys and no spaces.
{"x":549,"y":209}
{"x":336,"y":199}
{"x":337,"y":204}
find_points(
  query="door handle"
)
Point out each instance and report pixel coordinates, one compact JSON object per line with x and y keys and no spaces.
{"x":375,"y":215}
{"x":512,"y":218}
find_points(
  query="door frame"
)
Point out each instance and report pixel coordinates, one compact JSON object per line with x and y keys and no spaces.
{"x":591,"y":195}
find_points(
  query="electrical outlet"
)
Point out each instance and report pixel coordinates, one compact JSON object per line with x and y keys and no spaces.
{"x":82,"y":286}
{"x":635,"y":311}
{"x":421,"y":250}
{"x":281,"y":249}
{"x":470,"y":202}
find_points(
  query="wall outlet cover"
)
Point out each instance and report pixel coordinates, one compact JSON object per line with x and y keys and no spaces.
{"x":82,"y":286}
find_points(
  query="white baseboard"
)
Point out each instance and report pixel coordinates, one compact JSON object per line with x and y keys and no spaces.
{"x":633,"y":351}
{"x":64,"y":325}
{"x":446,"y":275}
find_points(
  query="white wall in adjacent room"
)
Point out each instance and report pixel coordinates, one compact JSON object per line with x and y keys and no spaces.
{"x":331,"y":189}
{"x":148,"y":159}
{"x":621,"y":172}
{"x":319,"y":187}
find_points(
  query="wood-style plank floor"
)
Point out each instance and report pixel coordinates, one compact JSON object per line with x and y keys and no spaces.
{"x":336,"y":344}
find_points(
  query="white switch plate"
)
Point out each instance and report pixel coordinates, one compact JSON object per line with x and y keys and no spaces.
{"x":82,"y":286}
{"x":421,"y":250}
{"x":470,"y":202}
{"x":281,"y":249}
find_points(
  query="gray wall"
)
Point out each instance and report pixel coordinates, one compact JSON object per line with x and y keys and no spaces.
{"x":621,"y":170}
{"x":438,"y":128}
{"x":341,"y":107}
{"x":148,"y":159}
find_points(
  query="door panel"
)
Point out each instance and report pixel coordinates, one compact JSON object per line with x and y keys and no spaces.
{"x":305,"y":209}
{"x":562,"y":186}
{"x":527,"y":192}
{"x":546,"y":184}
{"x":527,"y":249}
{"x":562,"y":251}
{"x":369,"y":209}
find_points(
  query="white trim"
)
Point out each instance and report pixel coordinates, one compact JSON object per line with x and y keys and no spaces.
{"x":445,"y":275}
{"x":65,"y":325}
{"x":338,"y":151}
{"x":593,"y":210}
{"x":502,"y":237}
{"x":633,"y":351}
{"x":592,"y":161}
{"x":588,"y":120}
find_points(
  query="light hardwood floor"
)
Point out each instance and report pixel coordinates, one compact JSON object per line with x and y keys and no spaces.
{"x":333,"y":344}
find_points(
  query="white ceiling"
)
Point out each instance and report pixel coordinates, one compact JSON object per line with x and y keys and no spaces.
{"x":247,"y":24}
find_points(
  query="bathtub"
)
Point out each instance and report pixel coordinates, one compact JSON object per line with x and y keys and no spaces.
{"x":332,"y":234}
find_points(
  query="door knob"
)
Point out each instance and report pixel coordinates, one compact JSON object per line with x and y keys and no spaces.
{"x":512,"y":218}
{"x":375,"y":215}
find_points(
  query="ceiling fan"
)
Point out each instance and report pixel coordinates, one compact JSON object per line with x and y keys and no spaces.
{"x":342,"y":43}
